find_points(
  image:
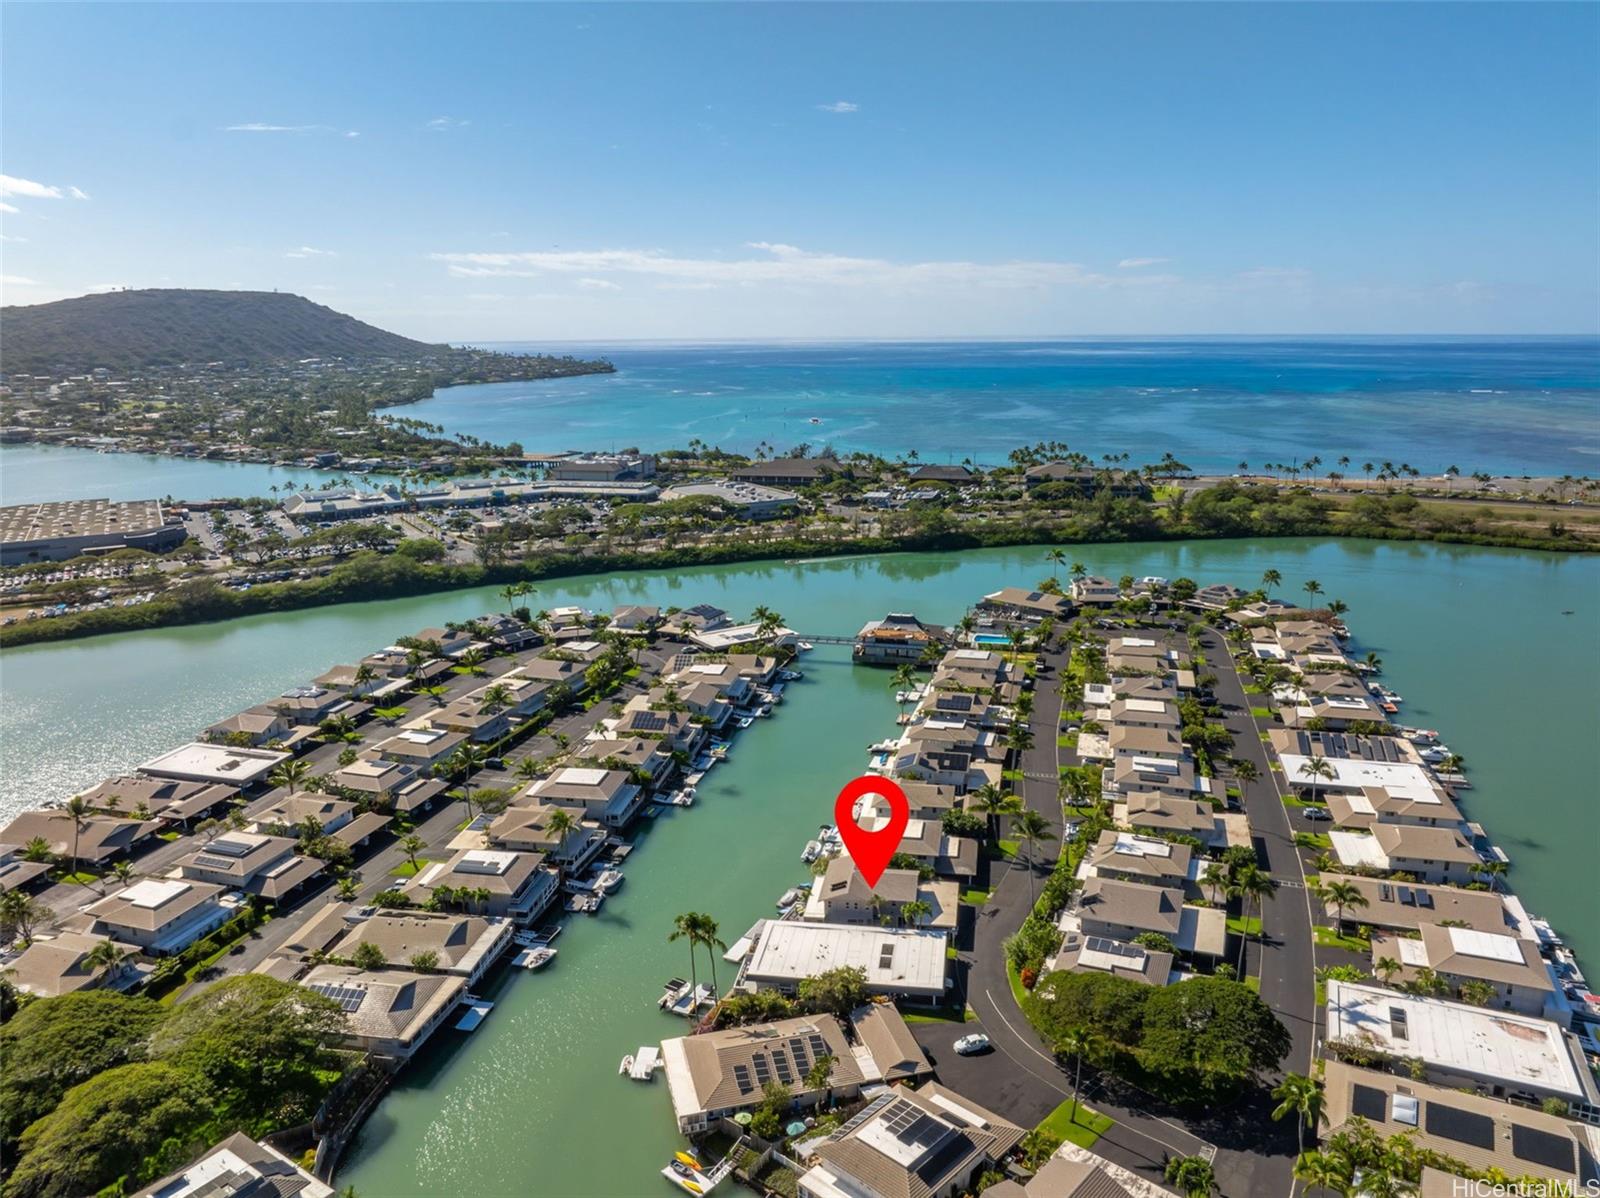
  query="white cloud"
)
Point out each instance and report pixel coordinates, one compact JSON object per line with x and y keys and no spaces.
{"x":786,"y":265}
{"x":307,"y":251}
{"x":263,"y":127}
{"x":17,"y":281}
{"x":102,"y":288}
{"x":441,"y":124}
{"x":353,"y":133}
{"x":27,"y":189}
{"x":1137,"y":263}
{"x":840,"y":107}
{"x":599,"y":285}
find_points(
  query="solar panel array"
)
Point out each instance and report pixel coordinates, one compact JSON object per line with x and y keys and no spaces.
{"x":1115,"y":948}
{"x":348,"y":997}
{"x":648,"y":721}
{"x":741,"y":1077}
{"x":1369,"y":1103}
{"x":1543,"y":1148}
{"x":1464,"y":1127}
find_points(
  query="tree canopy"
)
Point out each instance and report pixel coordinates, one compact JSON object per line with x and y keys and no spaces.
{"x":54,"y":1044}
{"x":109,"y":1126}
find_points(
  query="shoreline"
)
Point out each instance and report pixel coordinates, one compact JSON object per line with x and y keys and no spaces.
{"x":386,"y":577}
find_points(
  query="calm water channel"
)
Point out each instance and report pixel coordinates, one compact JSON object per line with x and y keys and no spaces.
{"x":1475,"y":639}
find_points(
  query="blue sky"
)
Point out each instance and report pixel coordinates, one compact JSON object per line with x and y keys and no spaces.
{"x":618,"y":171}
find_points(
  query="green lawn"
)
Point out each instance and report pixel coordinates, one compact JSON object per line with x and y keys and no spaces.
{"x":1254,"y":688}
{"x":975,"y":896}
{"x":1083,"y":1130}
{"x":1069,"y":741}
{"x":945,"y":1014}
{"x":406,"y":870}
{"x":1313,"y":840}
{"x":1007,"y":848}
{"x":1261,"y":713}
{"x":1329,"y":938}
{"x":1241,"y":926}
{"x":1292,"y":800}
{"x":83,"y":877}
{"x":1015,"y":979}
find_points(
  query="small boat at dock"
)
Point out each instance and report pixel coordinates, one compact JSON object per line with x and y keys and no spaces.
{"x":534,"y":958}
{"x":679,"y":997}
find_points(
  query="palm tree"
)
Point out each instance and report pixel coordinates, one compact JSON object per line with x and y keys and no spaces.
{"x":1245,"y":770}
{"x":496,"y":698}
{"x":1032,"y":827}
{"x":1340,"y":895}
{"x":704,"y":933}
{"x":1386,"y":968}
{"x":412,"y":845}
{"x":1215,"y":879}
{"x":1019,"y":740}
{"x":364,"y":674}
{"x":905,"y":677}
{"x":1079,"y":570}
{"x":1492,"y":869}
{"x":1312,"y":588}
{"x":1325,"y":1171}
{"x":820,"y":1077}
{"x":1314,"y":768}
{"x":1076,"y":1040}
{"x":1270,"y":579}
{"x":23,"y":913}
{"x":558,"y":823}
{"x":76,"y":809}
{"x":1192,"y":1176}
{"x":291,"y":775}
{"x":1252,"y":884}
{"x":462,"y":763}
{"x":1302,"y":1097}
{"x":124,"y":873}
{"x":684,"y":927}
{"x":471,"y":661}
{"x":915,"y":912}
{"x":1055,"y":557}
{"x":993,"y":802}
{"x":104,"y":957}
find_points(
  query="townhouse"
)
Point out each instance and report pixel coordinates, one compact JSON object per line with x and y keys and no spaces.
{"x":513,"y":885}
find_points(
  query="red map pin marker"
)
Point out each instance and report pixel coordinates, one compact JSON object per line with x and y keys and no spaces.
{"x":871,"y":850}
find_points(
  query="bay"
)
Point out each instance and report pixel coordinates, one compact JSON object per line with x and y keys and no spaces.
{"x":1475,"y":640}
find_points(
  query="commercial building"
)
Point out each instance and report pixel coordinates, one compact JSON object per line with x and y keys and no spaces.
{"x":54,"y":532}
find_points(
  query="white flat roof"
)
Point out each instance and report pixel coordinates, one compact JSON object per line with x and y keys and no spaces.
{"x":1473,"y":1041}
{"x":895,"y":959}
{"x":151,"y":893}
{"x":1403,"y":779}
{"x":200,"y":762}
{"x":1353,"y":848}
{"x":579,"y":776}
{"x":1142,"y":846}
{"x":1491,"y":946}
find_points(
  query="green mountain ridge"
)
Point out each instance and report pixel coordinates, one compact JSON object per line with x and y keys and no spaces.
{"x":129,"y":330}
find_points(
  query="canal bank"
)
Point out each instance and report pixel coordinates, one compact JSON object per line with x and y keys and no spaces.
{"x":1475,"y":639}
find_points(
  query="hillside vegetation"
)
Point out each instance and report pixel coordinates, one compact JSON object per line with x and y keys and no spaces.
{"x":128,"y":330}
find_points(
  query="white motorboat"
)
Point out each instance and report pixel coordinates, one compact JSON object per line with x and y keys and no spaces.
{"x":813,"y":850}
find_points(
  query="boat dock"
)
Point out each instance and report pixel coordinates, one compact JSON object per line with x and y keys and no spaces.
{"x":477,"y":1011}
{"x":642,"y":1065}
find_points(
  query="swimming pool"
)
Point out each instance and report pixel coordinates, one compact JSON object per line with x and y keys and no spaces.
{"x":990,"y":638}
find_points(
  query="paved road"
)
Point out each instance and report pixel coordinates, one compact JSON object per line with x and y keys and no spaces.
{"x":1252,"y":1154}
{"x":1021,"y":1078}
{"x":1285,"y":962}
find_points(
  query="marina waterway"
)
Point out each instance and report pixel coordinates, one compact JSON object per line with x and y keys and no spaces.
{"x":52,"y":473}
{"x":1475,"y":639}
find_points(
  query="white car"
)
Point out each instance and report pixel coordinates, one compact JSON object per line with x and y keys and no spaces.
{"x":1315,"y":813}
{"x":969,"y":1045}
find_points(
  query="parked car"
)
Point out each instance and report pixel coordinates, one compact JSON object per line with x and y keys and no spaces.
{"x":1315,"y":813}
{"x":971,"y":1045}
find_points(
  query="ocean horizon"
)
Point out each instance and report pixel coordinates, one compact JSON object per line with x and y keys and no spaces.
{"x":1501,"y":404}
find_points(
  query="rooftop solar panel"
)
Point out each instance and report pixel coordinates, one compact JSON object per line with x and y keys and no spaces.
{"x":1369,"y":1103}
{"x":741,"y":1077}
{"x":1543,"y":1148}
{"x":1464,"y":1127}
